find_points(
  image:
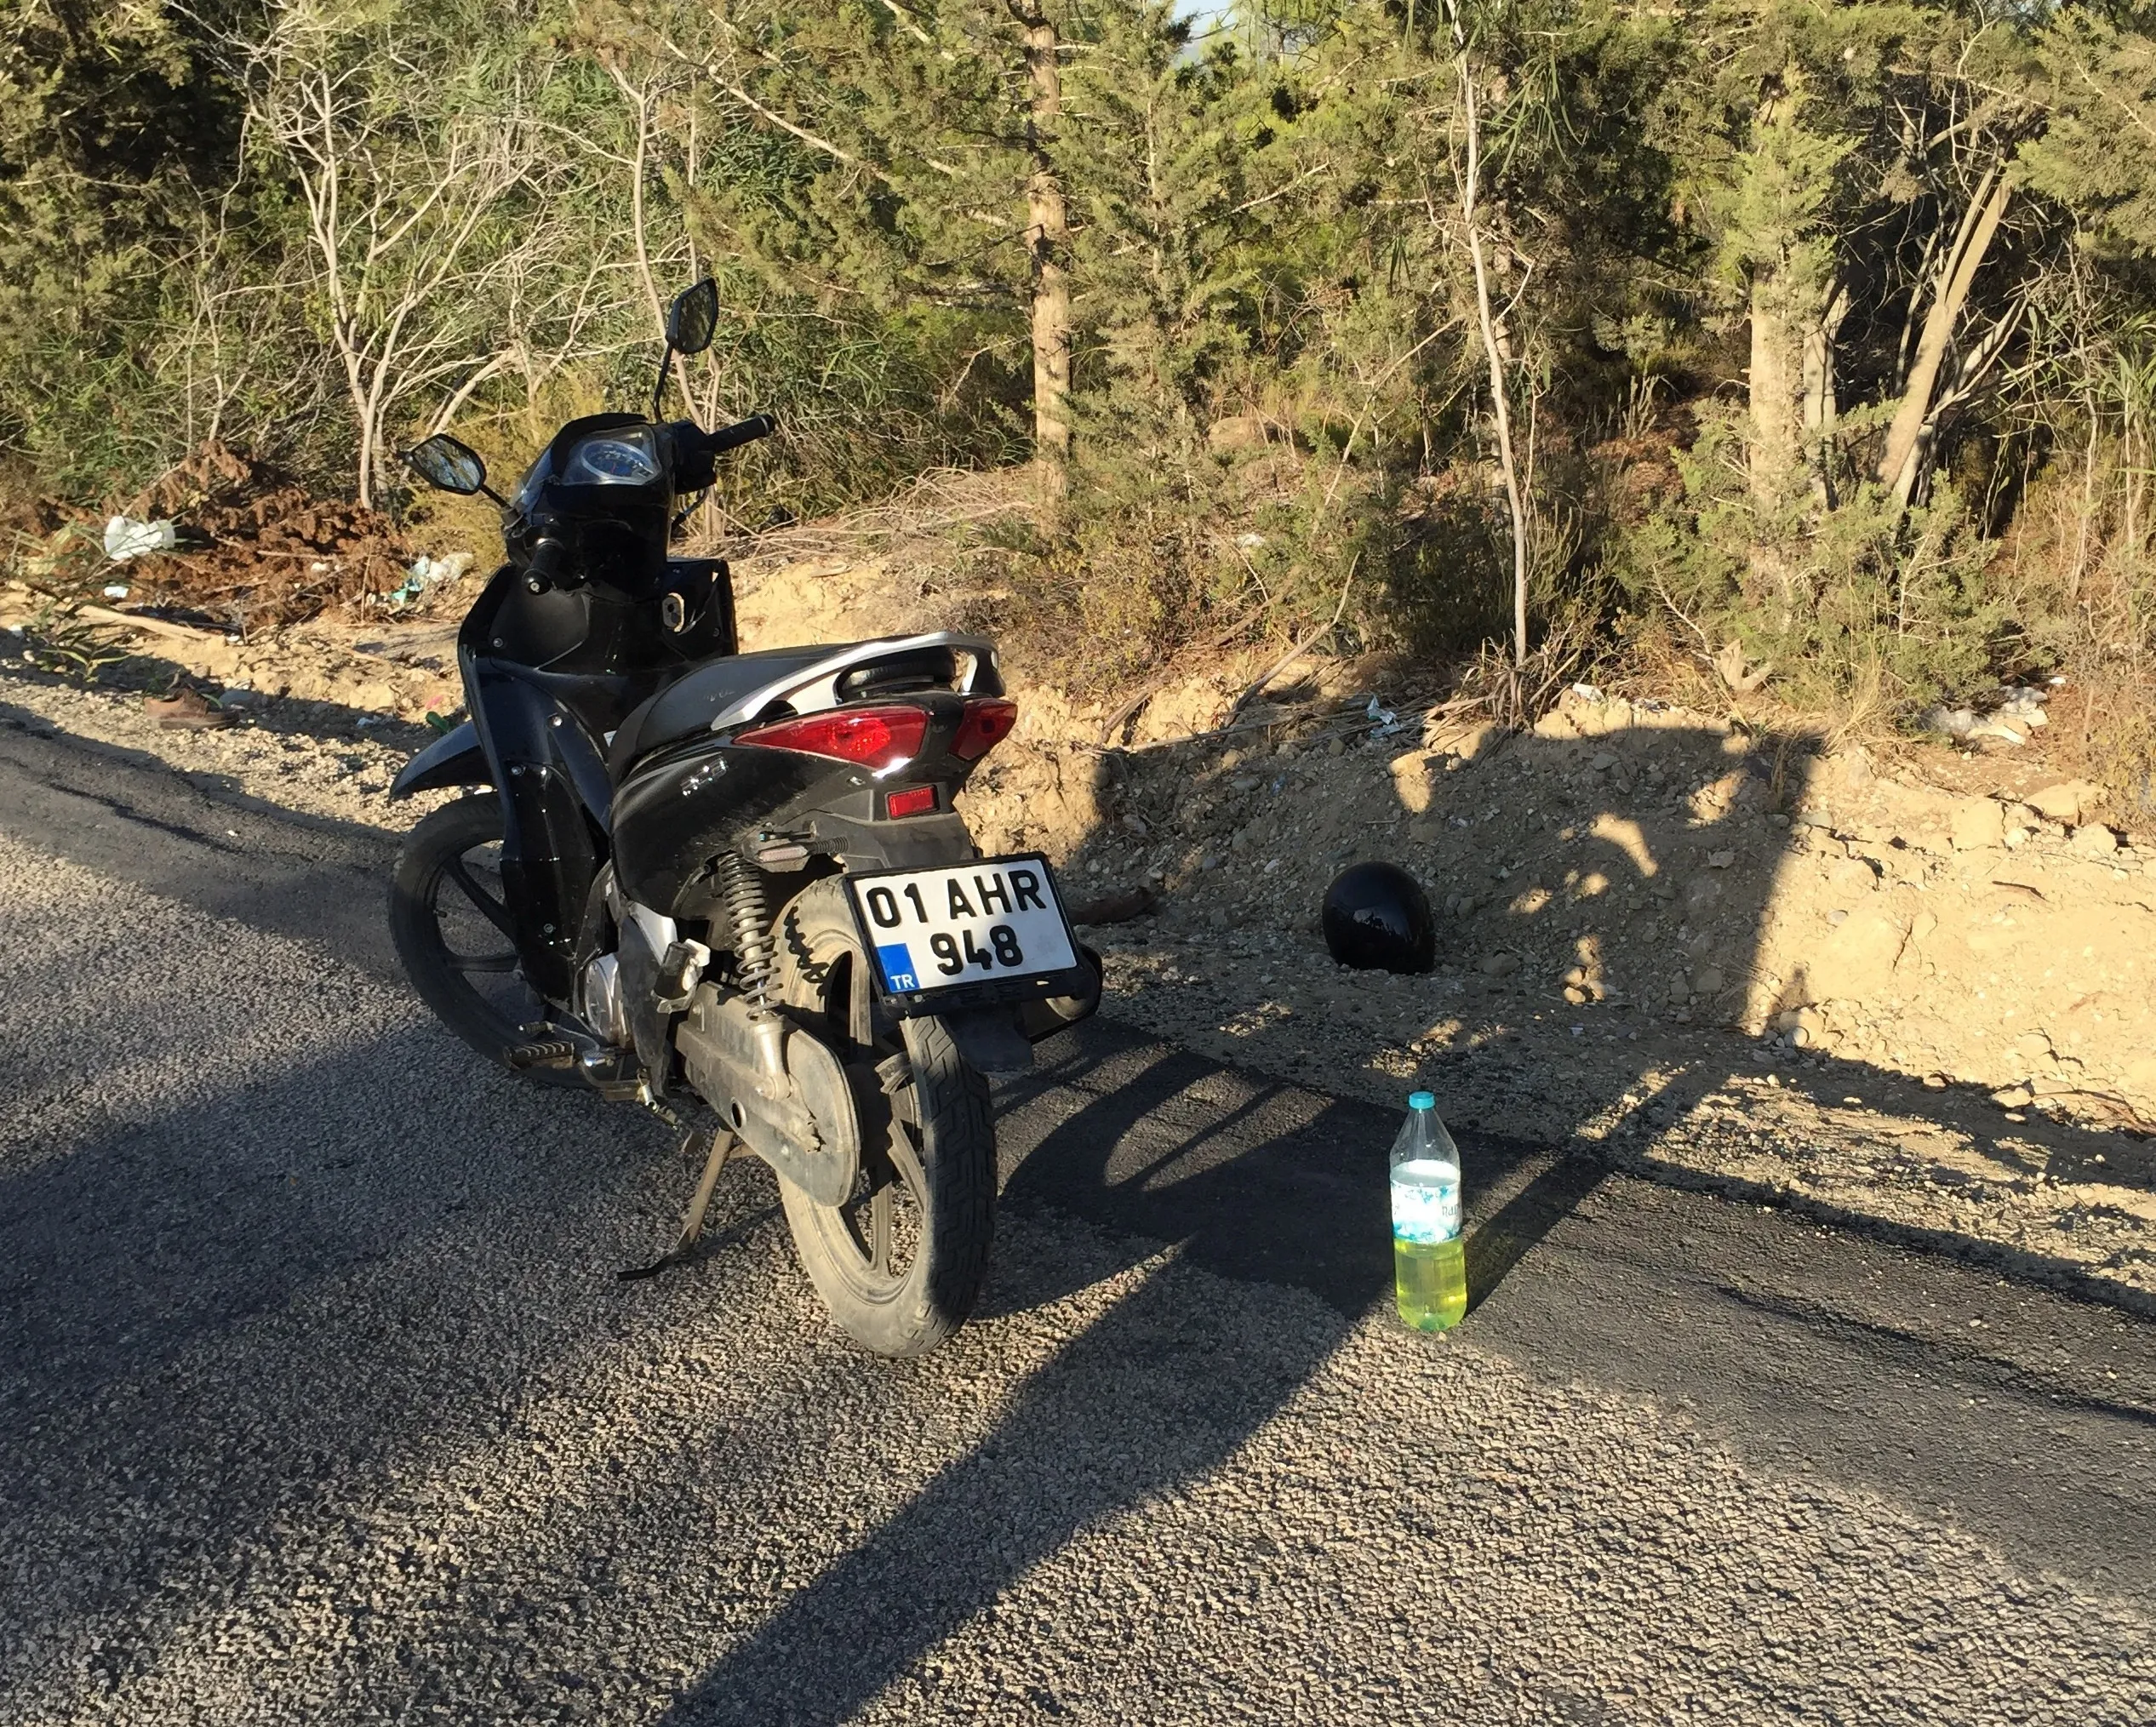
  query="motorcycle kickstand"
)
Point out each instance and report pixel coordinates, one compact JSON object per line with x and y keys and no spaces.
{"x":692,"y":1223}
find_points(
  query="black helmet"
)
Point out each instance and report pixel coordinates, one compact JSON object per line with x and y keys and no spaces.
{"x":1377,"y":918}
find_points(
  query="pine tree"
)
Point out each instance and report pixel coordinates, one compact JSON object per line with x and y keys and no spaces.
{"x":111,"y":121}
{"x":2097,"y":153}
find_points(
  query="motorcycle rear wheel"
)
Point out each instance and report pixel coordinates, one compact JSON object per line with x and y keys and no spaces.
{"x":900,"y":1264}
{"x":450,"y":920}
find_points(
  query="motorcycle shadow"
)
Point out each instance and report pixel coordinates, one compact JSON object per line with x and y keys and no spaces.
{"x":1136,"y":1177}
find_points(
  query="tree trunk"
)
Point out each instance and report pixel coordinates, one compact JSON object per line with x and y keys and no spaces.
{"x":366,"y":456}
{"x":1047,"y":233}
{"x":1468,"y":180}
{"x":1775,"y":389}
{"x":1899,"y":462}
{"x":1820,"y":407}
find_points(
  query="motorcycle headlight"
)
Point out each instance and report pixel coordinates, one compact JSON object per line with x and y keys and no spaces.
{"x":618,"y":459}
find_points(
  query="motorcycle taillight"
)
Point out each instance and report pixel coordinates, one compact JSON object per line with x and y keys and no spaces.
{"x":988,"y":720}
{"x":874,"y":737}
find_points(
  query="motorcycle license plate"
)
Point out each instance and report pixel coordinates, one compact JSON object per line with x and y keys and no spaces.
{"x":939,"y":933}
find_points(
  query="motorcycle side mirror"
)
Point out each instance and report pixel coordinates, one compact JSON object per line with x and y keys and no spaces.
{"x":693,"y":317}
{"x":447,"y":463}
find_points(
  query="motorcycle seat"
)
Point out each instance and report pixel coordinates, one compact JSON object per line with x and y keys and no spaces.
{"x":693,"y":701}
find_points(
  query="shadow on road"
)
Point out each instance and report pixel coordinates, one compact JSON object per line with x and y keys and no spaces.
{"x":1086,"y":1440}
{"x":1252,"y":1181}
{"x":132,"y":1247}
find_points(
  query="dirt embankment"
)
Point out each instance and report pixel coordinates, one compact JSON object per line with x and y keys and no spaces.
{"x":1634,"y":858}
{"x":1912,"y":987}
{"x":1660,"y":867}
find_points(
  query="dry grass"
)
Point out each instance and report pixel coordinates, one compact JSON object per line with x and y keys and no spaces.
{"x":2081,"y":595}
{"x":942,"y":508}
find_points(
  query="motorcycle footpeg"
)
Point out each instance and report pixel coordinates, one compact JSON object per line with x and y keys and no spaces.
{"x":545,"y":1052}
{"x":608,"y":1070}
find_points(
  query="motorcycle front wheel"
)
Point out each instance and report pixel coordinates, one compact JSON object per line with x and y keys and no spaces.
{"x":449,"y":916}
{"x":900,"y":1263}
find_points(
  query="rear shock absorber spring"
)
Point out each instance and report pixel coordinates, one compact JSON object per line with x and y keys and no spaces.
{"x":741,"y":892}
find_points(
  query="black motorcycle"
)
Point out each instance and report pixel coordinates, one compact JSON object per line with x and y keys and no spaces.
{"x":701,"y":880}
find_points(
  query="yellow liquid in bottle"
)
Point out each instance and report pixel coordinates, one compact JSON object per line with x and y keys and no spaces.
{"x":1429,"y":1283}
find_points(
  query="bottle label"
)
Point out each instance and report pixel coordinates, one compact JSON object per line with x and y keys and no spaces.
{"x":1425,"y":1204}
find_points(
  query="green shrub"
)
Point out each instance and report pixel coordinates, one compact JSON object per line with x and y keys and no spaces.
{"x":1839,"y":602}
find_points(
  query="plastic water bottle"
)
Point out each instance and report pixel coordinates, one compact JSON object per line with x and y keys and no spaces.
{"x":1429,"y":1265}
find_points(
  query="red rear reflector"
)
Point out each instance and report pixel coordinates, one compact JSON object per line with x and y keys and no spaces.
{"x":987,"y":724}
{"x":915,"y":800}
{"x":875,"y":737}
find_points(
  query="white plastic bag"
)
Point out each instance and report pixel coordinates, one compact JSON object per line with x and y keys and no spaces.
{"x":126,"y":538}
{"x":425,"y":572}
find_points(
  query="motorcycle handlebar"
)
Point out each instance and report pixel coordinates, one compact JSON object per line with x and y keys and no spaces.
{"x":742,"y":432}
{"x":547,"y":564}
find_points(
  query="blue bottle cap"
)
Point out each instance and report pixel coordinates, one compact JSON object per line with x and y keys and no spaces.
{"x":1420,"y":1099}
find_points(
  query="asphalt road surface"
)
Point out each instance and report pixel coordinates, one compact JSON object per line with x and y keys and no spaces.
{"x":319,"y":1400}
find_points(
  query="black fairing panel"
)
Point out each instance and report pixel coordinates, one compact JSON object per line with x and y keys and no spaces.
{"x":620,"y":643}
{"x":686,"y":807}
{"x":547,"y":676}
{"x":543,"y":761}
{"x":454,"y":758}
{"x":692,"y":701}
{"x":673,"y":816}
